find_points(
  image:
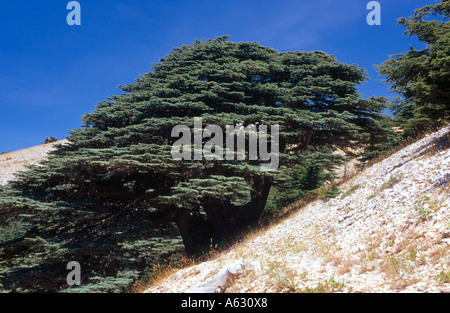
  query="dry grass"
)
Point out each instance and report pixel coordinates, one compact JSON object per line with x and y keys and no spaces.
{"x":328,"y":286}
{"x":162,"y":271}
{"x":284,"y":277}
{"x":344,"y":266}
{"x":439,"y":254}
{"x":402,"y":284}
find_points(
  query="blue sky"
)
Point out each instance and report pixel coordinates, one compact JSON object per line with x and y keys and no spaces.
{"x":52,"y":73}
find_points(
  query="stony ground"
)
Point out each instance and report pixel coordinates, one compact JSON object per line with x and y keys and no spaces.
{"x":388,"y":231}
{"x":14,"y":162}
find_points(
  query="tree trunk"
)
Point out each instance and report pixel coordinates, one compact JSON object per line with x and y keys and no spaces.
{"x":223,"y":220}
{"x":195,"y":231}
{"x":226,"y":219}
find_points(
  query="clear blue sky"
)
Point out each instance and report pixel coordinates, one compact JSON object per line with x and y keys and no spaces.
{"x":52,"y":73}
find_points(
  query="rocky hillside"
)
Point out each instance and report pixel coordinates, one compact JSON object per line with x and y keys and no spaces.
{"x":13,"y":162}
{"x":388,"y":231}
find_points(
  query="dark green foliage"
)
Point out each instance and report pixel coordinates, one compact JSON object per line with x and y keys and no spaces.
{"x":297,"y":184}
{"x":383,"y":139}
{"x":38,"y":240}
{"x":116,"y":201}
{"x":422,"y":77}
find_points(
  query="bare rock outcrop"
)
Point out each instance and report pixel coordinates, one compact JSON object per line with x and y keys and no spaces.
{"x":218,"y":283}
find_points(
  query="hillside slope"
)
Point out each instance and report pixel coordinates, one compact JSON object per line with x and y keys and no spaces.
{"x":388,"y":231}
{"x":16,"y":161}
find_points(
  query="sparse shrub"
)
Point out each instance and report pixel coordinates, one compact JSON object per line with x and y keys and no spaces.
{"x":283,"y":275}
{"x":412,"y":255}
{"x":332,"y":192}
{"x":351,"y":191}
{"x":50,"y":140}
{"x":444,"y":277}
{"x":424,"y":206}
{"x":328,"y":286}
{"x":392,"y":181}
{"x":391,"y":266}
